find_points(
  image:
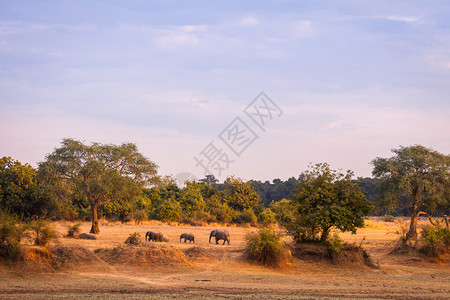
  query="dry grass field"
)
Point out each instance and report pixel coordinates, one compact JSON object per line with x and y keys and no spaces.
{"x":107,"y":268}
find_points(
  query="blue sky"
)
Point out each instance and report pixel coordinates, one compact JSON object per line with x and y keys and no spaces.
{"x":354,"y":79}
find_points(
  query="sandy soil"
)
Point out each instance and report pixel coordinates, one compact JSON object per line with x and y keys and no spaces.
{"x":220,"y":271}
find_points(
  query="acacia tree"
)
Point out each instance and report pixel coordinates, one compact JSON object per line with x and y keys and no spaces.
{"x":326,"y":199}
{"x":98,"y":172}
{"x":417,"y":178}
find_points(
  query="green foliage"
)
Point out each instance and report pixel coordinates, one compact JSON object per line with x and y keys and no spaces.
{"x":20,"y":192}
{"x":114,"y":210}
{"x":169,"y":210}
{"x":325,"y":199}
{"x":152,"y":194}
{"x":336,"y":244}
{"x":97,"y":173}
{"x":192,"y":201}
{"x":275,"y":190}
{"x":416,"y":177}
{"x":435,"y":241}
{"x":139,"y":216}
{"x":239,"y":194}
{"x":266,"y":217}
{"x":73,"y":230}
{"x":11,"y":232}
{"x":43,"y":231}
{"x":285,"y":214}
{"x":266,"y":247}
{"x":133,"y":239}
{"x":247,"y":216}
{"x":218,"y":210}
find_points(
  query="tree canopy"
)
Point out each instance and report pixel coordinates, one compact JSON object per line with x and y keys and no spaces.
{"x":97,"y":172}
{"x":417,"y":178}
{"x":22,"y":194}
{"x":324,"y":199}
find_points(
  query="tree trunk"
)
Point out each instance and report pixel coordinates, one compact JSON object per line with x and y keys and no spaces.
{"x":94,"y":228}
{"x":324,"y":236}
{"x":412,"y":233}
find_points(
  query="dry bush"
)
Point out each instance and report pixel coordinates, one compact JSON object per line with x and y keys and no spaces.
{"x":73,"y":230}
{"x":266,"y":247}
{"x":43,"y":232}
{"x":133,"y":239}
{"x":11,"y":232}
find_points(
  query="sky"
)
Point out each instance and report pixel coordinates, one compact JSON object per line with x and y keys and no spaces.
{"x":343,"y":82}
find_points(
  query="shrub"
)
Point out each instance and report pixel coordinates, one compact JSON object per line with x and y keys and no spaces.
{"x":388,"y":218}
{"x":435,"y":241}
{"x":247,"y":216}
{"x":73,"y":230}
{"x":44,"y":233}
{"x":266,"y":217}
{"x":11,"y":233}
{"x":335,"y":244}
{"x":266,"y":247}
{"x":133,"y":239}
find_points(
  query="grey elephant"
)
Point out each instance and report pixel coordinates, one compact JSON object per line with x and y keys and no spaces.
{"x":187,"y":236}
{"x":149,"y":235}
{"x":220,"y":235}
{"x":157,"y":236}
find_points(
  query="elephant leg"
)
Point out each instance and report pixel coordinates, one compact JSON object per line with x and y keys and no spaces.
{"x":224,"y":242}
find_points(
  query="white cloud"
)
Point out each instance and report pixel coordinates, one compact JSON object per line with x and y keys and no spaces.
{"x":408,"y":19}
{"x":249,"y":21}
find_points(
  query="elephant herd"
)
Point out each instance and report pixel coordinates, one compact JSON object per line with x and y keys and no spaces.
{"x":156,"y":236}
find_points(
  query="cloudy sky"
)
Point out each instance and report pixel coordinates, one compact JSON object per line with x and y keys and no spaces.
{"x":351,"y":79}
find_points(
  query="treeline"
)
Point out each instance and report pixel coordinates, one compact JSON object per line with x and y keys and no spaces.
{"x":116,"y":182}
{"x":28,"y":192}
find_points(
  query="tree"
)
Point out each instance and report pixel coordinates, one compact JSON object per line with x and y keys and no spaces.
{"x":416,"y":177}
{"x":192,"y":201}
{"x":98,"y":172}
{"x":209,"y":179}
{"x":239,"y":194}
{"x":20,"y":192}
{"x":327,"y":199}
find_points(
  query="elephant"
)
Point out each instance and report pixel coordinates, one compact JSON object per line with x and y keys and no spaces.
{"x":220,"y":235}
{"x":187,"y":236}
{"x":156,"y":236}
{"x":149,"y":235}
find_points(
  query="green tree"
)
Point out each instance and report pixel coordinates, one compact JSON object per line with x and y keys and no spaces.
{"x":169,"y":210}
{"x":192,"y":201}
{"x":327,"y":199}
{"x":20,"y":192}
{"x":98,"y":172}
{"x":218,"y":209}
{"x":239,"y":194}
{"x":417,"y":178}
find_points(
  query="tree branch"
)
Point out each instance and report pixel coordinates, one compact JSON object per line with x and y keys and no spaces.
{"x":437,"y":223}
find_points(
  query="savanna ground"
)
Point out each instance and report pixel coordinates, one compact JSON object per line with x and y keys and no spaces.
{"x":107,"y":268}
